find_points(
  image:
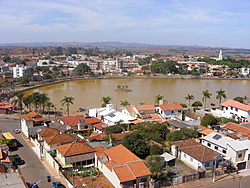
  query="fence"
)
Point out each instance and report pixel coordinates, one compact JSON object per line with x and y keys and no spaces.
{"x":186,"y":168}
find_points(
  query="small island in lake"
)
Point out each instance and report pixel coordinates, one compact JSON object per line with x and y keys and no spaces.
{"x":123,"y":88}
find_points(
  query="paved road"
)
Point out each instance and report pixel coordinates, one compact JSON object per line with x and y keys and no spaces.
{"x":241,"y":182}
{"x":33,"y":170}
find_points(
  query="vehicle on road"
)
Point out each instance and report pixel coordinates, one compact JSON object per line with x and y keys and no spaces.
{"x":11,"y":138}
{"x":57,"y":184}
{"x":16,"y":159}
{"x":32,"y":185}
{"x":16,"y":131}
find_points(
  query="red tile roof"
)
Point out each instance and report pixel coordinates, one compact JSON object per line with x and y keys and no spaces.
{"x":144,"y":107}
{"x":74,"y":120}
{"x":33,"y":116}
{"x":76,"y":148}
{"x":125,"y":164}
{"x":59,"y":139}
{"x":48,"y":132}
{"x":237,"y":128}
{"x":166,"y":107}
{"x":236,"y":104}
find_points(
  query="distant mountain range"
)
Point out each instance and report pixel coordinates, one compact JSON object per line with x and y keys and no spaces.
{"x":115,"y":45}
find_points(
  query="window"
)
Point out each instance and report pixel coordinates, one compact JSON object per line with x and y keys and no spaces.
{"x":191,"y":159}
{"x":239,"y":155}
{"x":208,"y":144}
{"x":215,"y":147}
{"x":248,"y":156}
{"x":232,"y":108}
{"x":224,"y":151}
{"x":185,"y":155}
{"x":172,"y":111}
{"x":236,"y":109}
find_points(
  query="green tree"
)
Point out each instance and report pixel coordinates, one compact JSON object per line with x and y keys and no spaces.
{"x":157,"y":167}
{"x":67,"y":101}
{"x":82,"y":69}
{"x":220,"y":94}
{"x":197,"y":104}
{"x":156,"y":150}
{"x":206,"y":95}
{"x":19,"y":101}
{"x":158,"y":98}
{"x":189,"y":98}
{"x":125,"y":103}
{"x":113,"y":129}
{"x":239,"y":99}
{"x":209,"y":120}
{"x":182,"y":134}
{"x":136,"y":144}
{"x":27,"y":100}
{"x":105,"y":100}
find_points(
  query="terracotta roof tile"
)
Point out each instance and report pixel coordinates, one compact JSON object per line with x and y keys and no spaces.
{"x":145,"y":107}
{"x":185,"y":143}
{"x":139,"y":168}
{"x":32,"y":116}
{"x":59,"y":139}
{"x":237,"y":128}
{"x":74,"y":120}
{"x":76,"y":148}
{"x":236,"y":104}
{"x":48,"y":132}
{"x":166,"y":107}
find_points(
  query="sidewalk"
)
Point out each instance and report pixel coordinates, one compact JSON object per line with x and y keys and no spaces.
{"x":53,"y":173}
{"x":207,"y":181}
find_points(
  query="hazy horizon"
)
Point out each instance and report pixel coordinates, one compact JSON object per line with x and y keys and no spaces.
{"x":210,"y":23}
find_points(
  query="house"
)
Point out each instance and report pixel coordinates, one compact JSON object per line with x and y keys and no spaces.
{"x":110,"y":116}
{"x":177,"y":125}
{"x":233,"y":109}
{"x":195,"y":155}
{"x":169,"y":111}
{"x":79,"y":122}
{"x":6,"y":107}
{"x":145,"y":112}
{"x":121,"y":166}
{"x":169,"y":159}
{"x":56,"y":139}
{"x":31,"y":123}
{"x":78,"y":154}
{"x":235,"y":130}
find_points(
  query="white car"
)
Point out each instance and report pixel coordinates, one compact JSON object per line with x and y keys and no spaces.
{"x":17,"y":131}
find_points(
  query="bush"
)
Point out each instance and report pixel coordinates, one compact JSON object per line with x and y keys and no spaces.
{"x":196,"y":104}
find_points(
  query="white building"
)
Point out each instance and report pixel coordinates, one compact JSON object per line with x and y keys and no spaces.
{"x":233,"y":109}
{"x":18,"y":71}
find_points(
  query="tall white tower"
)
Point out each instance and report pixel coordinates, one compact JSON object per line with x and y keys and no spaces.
{"x":220,"y":55}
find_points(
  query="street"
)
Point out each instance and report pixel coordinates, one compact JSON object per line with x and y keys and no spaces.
{"x":33,"y":170}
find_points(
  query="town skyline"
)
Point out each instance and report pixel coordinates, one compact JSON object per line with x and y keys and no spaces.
{"x":207,"y":23}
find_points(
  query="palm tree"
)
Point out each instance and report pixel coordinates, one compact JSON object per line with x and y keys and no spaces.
{"x":158,"y":98}
{"x":35,"y":98}
{"x":125,"y":103}
{"x":245,"y":99}
{"x":67,"y":100}
{"x":206,"y":95}
{"x":220,"y":94}
{"x":141,"y":103}
{"x":106,"y":100}
{"x":27,"y":100}
{"x":19,"y":101}
{"x":189,"y":98}
{"x":43,"y":100}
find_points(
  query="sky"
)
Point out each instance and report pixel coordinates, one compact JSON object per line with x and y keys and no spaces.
{"x":213,"y":23}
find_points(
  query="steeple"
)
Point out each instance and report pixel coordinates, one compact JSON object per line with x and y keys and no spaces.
{"x":220,"y":55}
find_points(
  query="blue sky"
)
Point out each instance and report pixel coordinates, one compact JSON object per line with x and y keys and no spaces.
{"x":215,"y":23}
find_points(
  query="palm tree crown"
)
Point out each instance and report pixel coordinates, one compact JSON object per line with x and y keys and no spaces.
{"x":220,"y":94}
{"x":189,"y":98}
{"x":67,"y":100}
{"x":206,"y":95}
{"x":106,"y":100}
{"x":158,"y":98}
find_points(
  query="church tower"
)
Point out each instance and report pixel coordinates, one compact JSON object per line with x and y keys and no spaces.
{"x":220,"y":55}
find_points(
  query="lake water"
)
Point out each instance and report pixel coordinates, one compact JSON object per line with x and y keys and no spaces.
{"x":88,"y":93}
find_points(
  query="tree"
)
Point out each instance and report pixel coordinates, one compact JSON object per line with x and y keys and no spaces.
{"x":157,"y":167}
{"x":67,"y":100}
{"x":209,"y":120}
{"x":158,"y":98}
{"x":239,"y":99}
{"x":82,"y":69}
{"x":136,"y":144}
{"x":106,"y":100}
{"x":155,"y":150}
{"x":189,"y":98}
{"x":125,"y":103}
{"x":206,"y":95}
{"x":113,"y":129}
{"x":182,"y":134}
{"x":220,"y":94}
{"x":19,"y":101}
{"x":197,"y":104}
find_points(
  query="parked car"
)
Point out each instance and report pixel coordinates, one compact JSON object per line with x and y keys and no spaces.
{"x":57,"y":184}
{"x":16,"y":131}
{"x":16,"y":159}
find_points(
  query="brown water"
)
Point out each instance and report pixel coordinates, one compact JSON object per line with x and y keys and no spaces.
{"x":88,"y":93}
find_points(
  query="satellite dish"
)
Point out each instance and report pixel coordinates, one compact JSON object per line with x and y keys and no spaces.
{"x":103,"y":159}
